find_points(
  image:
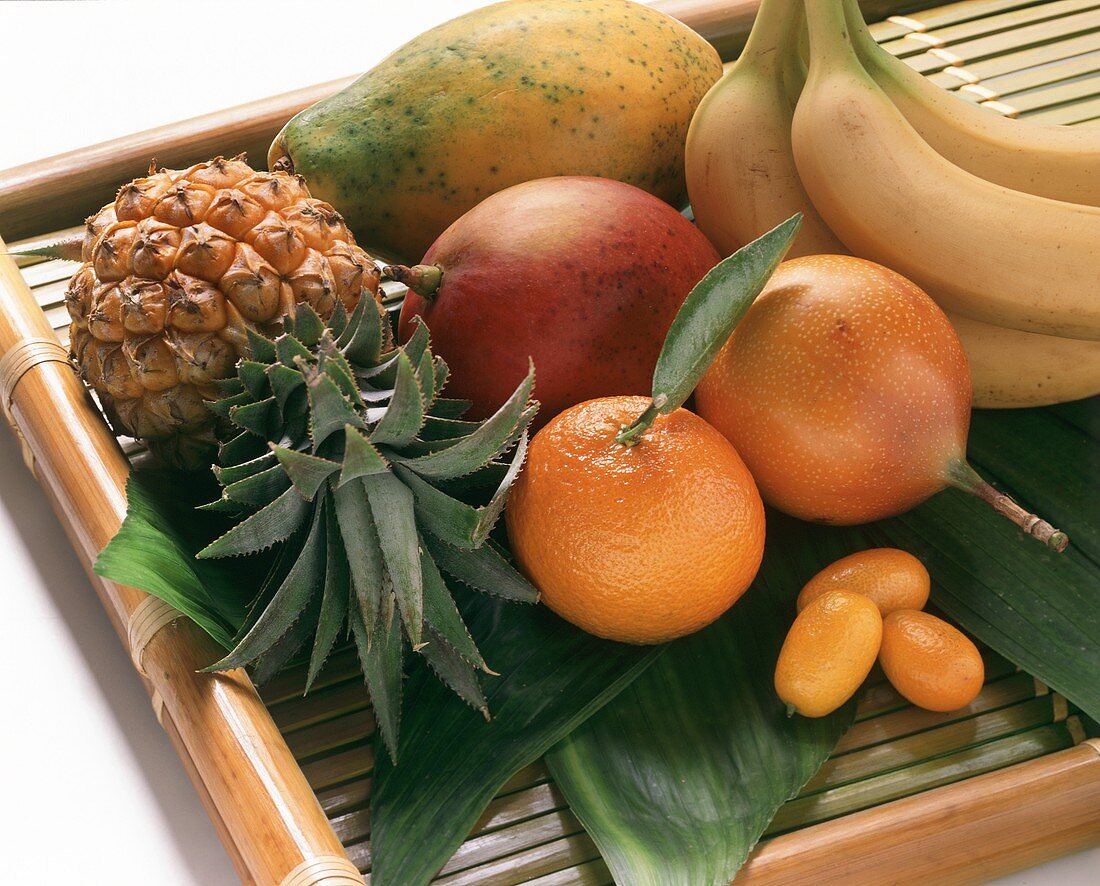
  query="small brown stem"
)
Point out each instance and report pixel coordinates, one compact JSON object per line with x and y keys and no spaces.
{"x":424,"y":280}
{"x":962,"y":476}
{"x":631,"y":435}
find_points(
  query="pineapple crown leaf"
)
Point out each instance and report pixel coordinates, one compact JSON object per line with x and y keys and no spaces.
{"x":339,"y":450}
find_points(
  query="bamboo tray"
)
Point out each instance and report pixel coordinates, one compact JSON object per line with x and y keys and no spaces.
{"x":1006,"y":783}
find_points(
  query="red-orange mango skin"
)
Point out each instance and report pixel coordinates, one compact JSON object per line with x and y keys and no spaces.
{"x":583,"y":275}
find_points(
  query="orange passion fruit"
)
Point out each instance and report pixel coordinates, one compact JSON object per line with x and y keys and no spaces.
{"x":641,"y":543}
{"x":890,"y":578}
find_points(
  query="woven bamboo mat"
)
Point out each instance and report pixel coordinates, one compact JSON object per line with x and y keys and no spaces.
{"x":1038,"y":61}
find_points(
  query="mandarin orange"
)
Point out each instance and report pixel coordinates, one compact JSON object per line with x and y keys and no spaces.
{"x":890,"y":578}
{"x":639,"y":544}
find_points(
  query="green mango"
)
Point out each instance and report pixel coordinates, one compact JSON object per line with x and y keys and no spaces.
{"x":505,"y":94}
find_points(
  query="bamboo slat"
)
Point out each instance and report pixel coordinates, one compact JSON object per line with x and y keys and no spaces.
{"x":309,"y":791}
{"x":1054,"y":97}
{"x":1008,"y":85}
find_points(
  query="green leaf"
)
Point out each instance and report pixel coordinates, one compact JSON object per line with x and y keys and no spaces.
{"x":360,"y":458}
{"x":453,"y":761}
{"x":417,"y":345}
{"x":223,"y":406}
{"x":487,"y":442}
{"x":253,"y":376}
{"x":307,"y":326}
{"x":234,"y":473}
{"x":329,"y":410}
{"x":678,"y":777}
{"x":712,"y":310}
{"x":263,"y":349}
{"x":391,"y":505}
{"x":153,"y":551}
{"x":441,"y":614}
{"x":334,"y":599}
{"x":455,"y":409}
{"x":290,"y":351}
{"x":454,"y":670}
{"x":240,"y":449}
{"x":380,"y":655}
{"x":361,"y":340}
{"x":260,"y":418}
{"x":405,"y":413}
{"x":284,"y":383}
{"x":484,"y":569}
{"x":258,"y":490}
{"x":289,"y":601}
{"x":363,"y":551}
{"x":306,"y":472}
{"x":275,"y":523}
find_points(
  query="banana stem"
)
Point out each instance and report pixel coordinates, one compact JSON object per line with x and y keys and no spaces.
{"x":830,"y":42}
{"x":631,"y":435}
{"x":962,"y":476}
{"x":775,"y":24}
{"x":424,"y":280}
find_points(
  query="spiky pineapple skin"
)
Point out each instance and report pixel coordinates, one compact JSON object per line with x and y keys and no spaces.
{"x":177,"y":270}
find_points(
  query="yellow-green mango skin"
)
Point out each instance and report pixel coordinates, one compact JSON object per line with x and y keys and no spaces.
{"x":508,"y":93}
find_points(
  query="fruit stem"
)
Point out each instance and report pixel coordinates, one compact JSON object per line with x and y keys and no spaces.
{"x":830,"y":42}
{"x":962,"y":476}
{"x":424,"y":280}
{"x":631,"y":435}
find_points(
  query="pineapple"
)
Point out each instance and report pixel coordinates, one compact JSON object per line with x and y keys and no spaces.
{"x":177,"y":272}
{"x":339,"y":452}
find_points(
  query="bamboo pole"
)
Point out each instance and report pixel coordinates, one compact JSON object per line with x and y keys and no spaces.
{"x":262,"y":803}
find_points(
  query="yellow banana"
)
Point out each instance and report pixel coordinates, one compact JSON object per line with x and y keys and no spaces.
{"x":1059,"y":162}
{"x":1009,"y":368}
{"x":741,"y":176}
{"x":985,"y":251}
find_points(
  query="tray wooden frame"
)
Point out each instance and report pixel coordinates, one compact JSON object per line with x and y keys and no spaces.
{"x":264,"y":810}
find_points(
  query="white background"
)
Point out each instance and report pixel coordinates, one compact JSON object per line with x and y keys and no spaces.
{"x":91,"y":786}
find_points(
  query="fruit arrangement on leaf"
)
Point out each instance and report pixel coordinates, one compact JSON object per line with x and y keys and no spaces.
{"x":582,"y":275}
{"x":346,"y":458}
{"x":502,"y":95}
{"x":179,"y":270}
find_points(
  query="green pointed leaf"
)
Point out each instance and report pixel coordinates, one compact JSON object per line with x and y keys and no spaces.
{"x":361,"y":459}
{"x":441,"y":372}
{"x":392,"y":506}
{"x":154,"y":551}
{"x":444,"y":408}
{"x":441,"y":615}
{"x":405,"y":413}
{"x":329,"y":409}
{"x":679,"y":776}
{"x":488,"y":441}
{"x":233,"y":473}
{"x":448,"y":518}
{"x":226,"y":404}
{"x":253,"y":376}
{"x":339,"y":320}
{"x":453,"y":762}
{"x":425,"y":375}
{"x":229,"y":387}
{"x":258,"y":490}
{"x":306,"y":472}
{"x":275,"y":523}
{"x":484,"y":569}
{"x":289,"y":351}
{"x":288,"y":603}
{"x":381,"y":656}
{"x":417,"y":345}
{"x":362,"y":549}
{"x":446,"y":428}
{"x":454,"y":670}
{"x":284,"y":382}
{"x":263,"y":349}
{"x":284,"y":650}
{"x":240,"y":449}
{"x":334,"y":365}
{"x":260,"y":418}
{"x":712,"y":309}
{"x":334,"y":599}
{"x":308,"y":327}
{"x":361,"y":341}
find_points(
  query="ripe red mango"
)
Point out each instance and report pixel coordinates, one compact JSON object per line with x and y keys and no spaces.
{"x":583,"y":275}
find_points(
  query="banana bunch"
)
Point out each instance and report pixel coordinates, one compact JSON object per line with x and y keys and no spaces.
{"x":997,"y":219}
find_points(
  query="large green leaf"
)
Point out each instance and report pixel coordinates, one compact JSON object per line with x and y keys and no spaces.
{"x":553,"y":676}
{"x":679,"y":776}
{"x":155,"y":550}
